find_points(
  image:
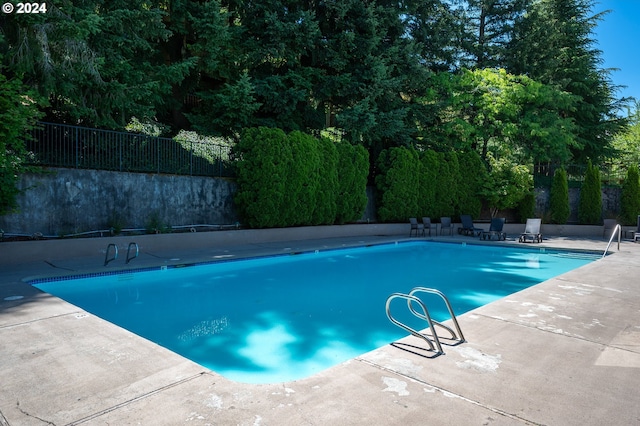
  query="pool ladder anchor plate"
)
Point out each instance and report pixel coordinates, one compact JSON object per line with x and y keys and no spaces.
{"x":431,"y":339}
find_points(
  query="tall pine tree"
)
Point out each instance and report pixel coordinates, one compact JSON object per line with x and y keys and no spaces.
{"x":553,"y":44}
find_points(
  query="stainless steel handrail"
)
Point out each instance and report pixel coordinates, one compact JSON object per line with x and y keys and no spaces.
{"x":130,"y":258}
{"x":460,"y":336}
{"x":106,"y":255}
{"x":617,"y":229}
{"x":425,"y":316}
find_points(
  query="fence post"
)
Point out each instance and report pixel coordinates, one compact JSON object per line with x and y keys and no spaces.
{"x":77,"y":148}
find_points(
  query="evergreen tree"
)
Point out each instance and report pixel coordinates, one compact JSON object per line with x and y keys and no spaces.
{"x":553,"y":44}
{"x":328,"y":192}
{"x":446,"y":194}
{"x":473,"y":174}
{"x":353,"y":169}
{"x":630,"y":199}
{"x":263,"y":161}
{"x":590,"y":204}
{"x":487,"y":29}
{"x":436,"y":29}
{"x":397,"y":184}
{"x":18,"y":113}
{"x":97,"y":63}
{"x":428,"y":181}
{"x":559,"y":199}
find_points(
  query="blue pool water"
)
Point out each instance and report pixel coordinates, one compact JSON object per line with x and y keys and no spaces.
{"x":286,"y":317}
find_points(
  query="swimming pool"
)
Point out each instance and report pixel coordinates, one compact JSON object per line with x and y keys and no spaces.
{"x":286,"y":317}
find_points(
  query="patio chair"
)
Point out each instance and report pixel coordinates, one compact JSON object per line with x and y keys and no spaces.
{"x":445,"y":223}
{"x":495,"y":230}
{"x":427,"y":225}
{"x":415,"y":227}
{"x":636,"y":233}
{"x":531,"y":231}
{"x":467,"y":227}
{"x":609,"y":225}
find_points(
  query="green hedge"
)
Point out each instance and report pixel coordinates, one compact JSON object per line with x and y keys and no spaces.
{"x":398,"y":184}
{"x":296,"y":179}
{"x":630,"y":199}
{"x":353,"y":170}
{"x":559,"y":207}
{"x":428,"y":183}
{"x":264,"y":158}
{"x":590,"y":203}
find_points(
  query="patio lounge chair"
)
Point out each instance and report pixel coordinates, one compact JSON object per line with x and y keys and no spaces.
{"x":495,"y":230}
{"x":609,"y":225}
{"x":445,"y":223}
{"x":415,"y":227}
{"x":531,"y":231}
{"x":467,"y":227}
{"x":427,"y":225}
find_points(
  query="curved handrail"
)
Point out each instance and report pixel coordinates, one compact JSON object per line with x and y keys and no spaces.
{"x":130,"y":258}
{"x":106,"y":255}
{"x":617,"y":229}
{"x":460,"y":336}
{"x":425,"y":316}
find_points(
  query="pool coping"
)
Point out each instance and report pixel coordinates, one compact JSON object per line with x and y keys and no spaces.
{"x":38,"y":279}
{"x":154,"y":386}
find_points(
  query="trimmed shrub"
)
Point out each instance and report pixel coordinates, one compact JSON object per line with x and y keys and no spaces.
{"x":527,"y":207}
{"x":446,"y":185}
{"x":428,"y":180}
{"x":630,"y":197}
{"x":297,"y":179}
{"x":303,"y":180}
{"x":559,"y":208}
{"x":353,"y":169}
{"x":327,"y":189}
{"x":590,"y":203}
{"x":264,"y":158}
{"x":398,"y":184}
{"x":473,"y":174}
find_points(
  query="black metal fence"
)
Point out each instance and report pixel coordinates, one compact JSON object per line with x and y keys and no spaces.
{"x":62,"y":145}
{"x":609,"y":176}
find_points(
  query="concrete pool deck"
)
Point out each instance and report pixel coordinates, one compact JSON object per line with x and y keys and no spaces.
{"x":564,"y":352}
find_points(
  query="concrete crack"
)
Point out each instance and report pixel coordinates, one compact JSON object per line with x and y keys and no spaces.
{"x":30,"y":415}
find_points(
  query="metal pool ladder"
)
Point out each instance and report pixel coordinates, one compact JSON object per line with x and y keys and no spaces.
{"x":433,"y":341}
{"x":618,"y":230}
{"x":130,"y":257}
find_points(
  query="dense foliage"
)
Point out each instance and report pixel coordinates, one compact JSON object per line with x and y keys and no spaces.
{"x":297,"y":179}
{"x":515,"y":82}
{"x":380,"y":72}
{"x":353,"y":169}
{"x":630,"y":199}
{"x":506,"y":185}
{"x":432,"y":184}
{"x":553,"y":43}
{"x":590,"y":203}
{"x":18,"y":112}
{"x":559,"y":208}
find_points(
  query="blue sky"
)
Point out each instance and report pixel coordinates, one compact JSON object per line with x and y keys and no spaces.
{"x":618,"y":35}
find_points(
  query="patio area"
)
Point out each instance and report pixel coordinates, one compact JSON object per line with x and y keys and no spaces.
{"x":563,"y":352}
